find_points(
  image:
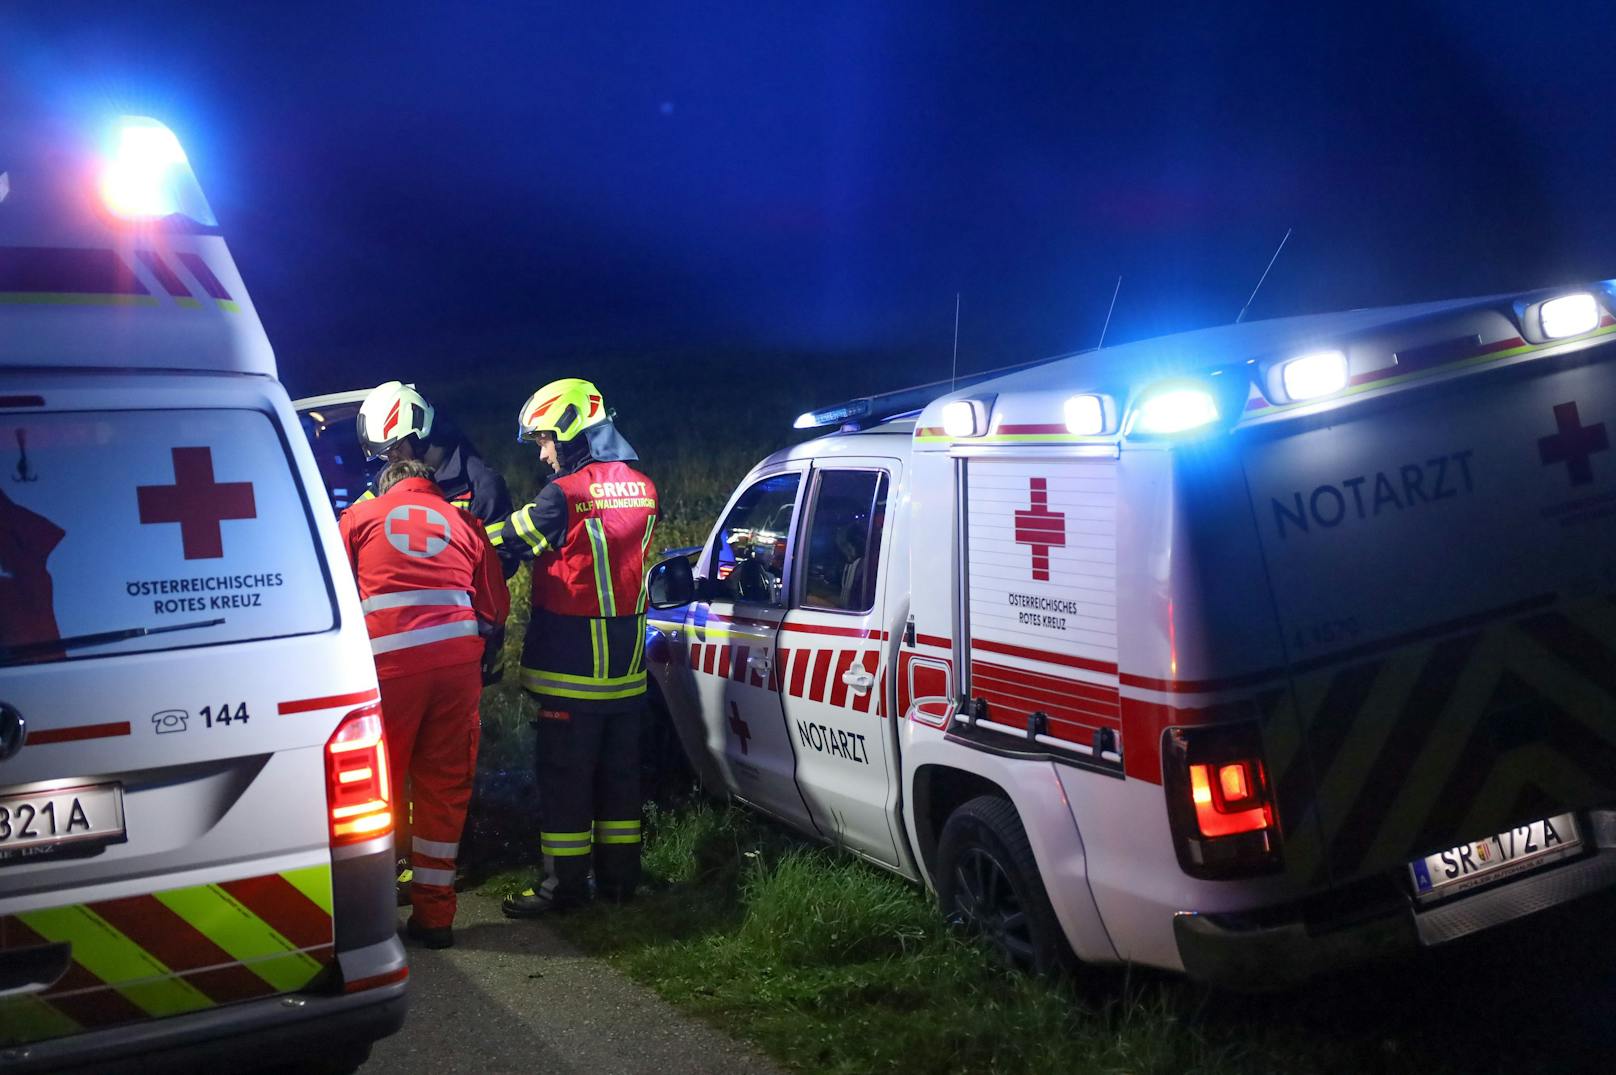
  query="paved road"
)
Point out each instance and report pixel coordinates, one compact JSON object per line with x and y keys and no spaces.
{"x":515,"y":997}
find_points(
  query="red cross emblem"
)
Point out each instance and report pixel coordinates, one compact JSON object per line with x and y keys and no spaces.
{"x":417,"y":531}
{"x":197,"y":503}
{"x":742,"y":731}
{"x":1041,"y":528}
{"x":1573,"y":444}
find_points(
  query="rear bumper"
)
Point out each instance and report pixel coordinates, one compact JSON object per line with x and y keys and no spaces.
{"x":293,"y":1029}
{"x":1231,"y":951}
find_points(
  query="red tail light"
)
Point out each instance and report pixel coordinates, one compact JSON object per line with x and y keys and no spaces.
{"x":356,"y":778}
{"x":1219,"y":802}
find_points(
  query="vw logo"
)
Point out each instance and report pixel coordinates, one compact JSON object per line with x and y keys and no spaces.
{"x":13,"y":730}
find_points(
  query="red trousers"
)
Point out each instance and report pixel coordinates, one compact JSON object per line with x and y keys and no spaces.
{"x":432,"y":728}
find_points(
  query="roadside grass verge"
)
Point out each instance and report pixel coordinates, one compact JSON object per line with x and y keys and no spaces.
{"x":830,"y":965}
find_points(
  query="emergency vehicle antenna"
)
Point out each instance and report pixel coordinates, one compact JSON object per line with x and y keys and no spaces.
{"x":1108,"y":311}
{"x":1264,"y":276}
{"x":953,"y":376}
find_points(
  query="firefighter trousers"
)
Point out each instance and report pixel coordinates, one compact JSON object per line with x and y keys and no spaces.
{"x":589,"y":802}
{"x":432,"y":730}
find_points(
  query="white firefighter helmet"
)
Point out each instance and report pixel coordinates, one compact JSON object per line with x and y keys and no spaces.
{"x":390,"y":413}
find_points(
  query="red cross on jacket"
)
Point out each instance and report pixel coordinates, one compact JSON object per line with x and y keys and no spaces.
{"x":429,"y":581}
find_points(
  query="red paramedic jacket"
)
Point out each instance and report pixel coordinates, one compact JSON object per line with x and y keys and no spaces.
{"x":429,"y":581}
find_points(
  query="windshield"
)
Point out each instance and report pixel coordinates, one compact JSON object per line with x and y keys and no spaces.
{"x":124,"y":532}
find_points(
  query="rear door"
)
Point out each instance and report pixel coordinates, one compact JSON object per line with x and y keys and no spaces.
{"x":329,"y":424}
{"x":831,"y":675}
{"x":1443,"y":567}
{"x":170,"y":673}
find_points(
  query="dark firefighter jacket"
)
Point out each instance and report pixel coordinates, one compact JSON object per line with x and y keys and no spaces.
{"x":467,"y":482}
{"x":588,"y":534}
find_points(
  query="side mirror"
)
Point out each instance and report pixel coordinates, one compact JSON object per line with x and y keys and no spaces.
{"x":671,"y":583}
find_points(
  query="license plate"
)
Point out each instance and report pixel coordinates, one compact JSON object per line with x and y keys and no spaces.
{"x":1512,"y":851}
{"x":37,"y":824}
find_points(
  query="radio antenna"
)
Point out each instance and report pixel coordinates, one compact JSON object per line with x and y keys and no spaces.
{"x":1264,"y":276}
{"x":953,"y":377}
{"x":1108,"y":310}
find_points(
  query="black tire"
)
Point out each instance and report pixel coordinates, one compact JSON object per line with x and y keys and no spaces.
{"x":988,"y":883}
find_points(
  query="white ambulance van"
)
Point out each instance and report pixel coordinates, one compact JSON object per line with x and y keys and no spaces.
{"x":1248,"y":652}
{"x":196,"y":858}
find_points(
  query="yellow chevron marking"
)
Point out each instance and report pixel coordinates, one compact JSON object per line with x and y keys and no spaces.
{"x":1373,"y":725}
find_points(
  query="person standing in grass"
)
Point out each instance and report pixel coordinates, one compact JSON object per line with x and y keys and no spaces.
{"x":431,"y":589}
{"x":588,"y":534}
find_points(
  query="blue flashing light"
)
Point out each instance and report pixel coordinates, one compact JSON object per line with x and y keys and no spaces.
{"x":147,"y":176}
{"x":1176,"y":408}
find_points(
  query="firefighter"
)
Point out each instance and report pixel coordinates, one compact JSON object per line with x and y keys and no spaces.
{"x":588,"y":533}
{"x":396,"y":422}
{"x":432,"y":592}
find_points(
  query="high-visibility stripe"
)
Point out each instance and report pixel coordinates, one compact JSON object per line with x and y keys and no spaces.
{"x":167,"y":937}
{"x":522,"y":523}
{"x":602,"y":562}
{"x":617,"y":832}
{"x":645,"y":560}
{"x":314,"y":882}
{"x":409,"y":598}
{"x":40,"y":1018}
{"x":283,"y":909}
{"x":438,"y":849}
{"x":565,"y":844}
{"x":438,"y":878}
{"x":561,"y":685}
{"x":423,"y":635}
{"x":496,"y":533}
{"x":639,"y":644}
{"x":118,"y":961}
{"x":248,"y":938}
{"x":597,"y":642}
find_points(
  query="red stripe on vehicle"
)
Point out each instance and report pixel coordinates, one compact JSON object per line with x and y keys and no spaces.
{"x":724,"y":654}
{"x":799,"y":673}
{"x":839,"y":632}
{"x":183,"y":948}
{"x":710,"y":658}
{"x":935,"y":641}
{"x":839,"y":689}
{"x":204,"y":275}
{"x":1038,"y":428}
{"x":738,"y":668}
{"x":777,"y":670}
{"x":1086,"y":663}
{"x":375,"y":981}
{"x":45,"y":737}
{"x":330,"y":701}
{"x":1038,"y":689}
{"x":695,"y":656}
{"x":165,"y":275}
{"x":816,"y":687}
{"x":278,"y":902}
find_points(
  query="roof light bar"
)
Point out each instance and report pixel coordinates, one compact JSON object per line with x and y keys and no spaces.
{"x":1314,"y":376}
{"x":1175,"y":407}
{"x":1568,"y":315}
{"x":147,"y":176}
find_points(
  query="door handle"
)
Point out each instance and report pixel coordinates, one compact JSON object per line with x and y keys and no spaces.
{"x":760,"y":661}
{"x":858,"y":679}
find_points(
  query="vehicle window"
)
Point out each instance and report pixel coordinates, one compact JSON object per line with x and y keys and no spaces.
{"x":334,"y":438}
{"x":844,"y":540}
{"x":126,"y":532}
{"x":750,"y":558}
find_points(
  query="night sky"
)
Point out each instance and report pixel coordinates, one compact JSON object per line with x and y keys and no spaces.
{"x":408,"y":187}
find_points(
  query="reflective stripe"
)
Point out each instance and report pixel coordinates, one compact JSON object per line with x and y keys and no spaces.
{"x":563,"y":844}
{"x":314,"y":882}
{"x":522,"y":523}
{"x":564,"y":686}
{"x":227,"y":923}
{"x":645,"y":562}
{"x":117,"y":960}
{"x":438,"y":878}
{"x":42,"y":1019}
{"x":617,"y":832}
{"x":639,"y":645}
{"x":404,"y":598}
{"x":423,"y":635}
{"x":602,"y":648}
{"x":436,"y":848}
{"x":496,"y":533}
{"x":603,"y":567}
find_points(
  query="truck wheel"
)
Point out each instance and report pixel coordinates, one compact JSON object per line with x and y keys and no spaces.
{"x":988,"y":882}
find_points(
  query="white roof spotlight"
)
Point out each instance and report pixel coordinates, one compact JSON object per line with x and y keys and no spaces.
{"x":963,"y":418}
{"x":1313,"y":376}
{"x":1175,"y":407}
{"x":1568,"y":315}
{"x":1085,"y":416}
